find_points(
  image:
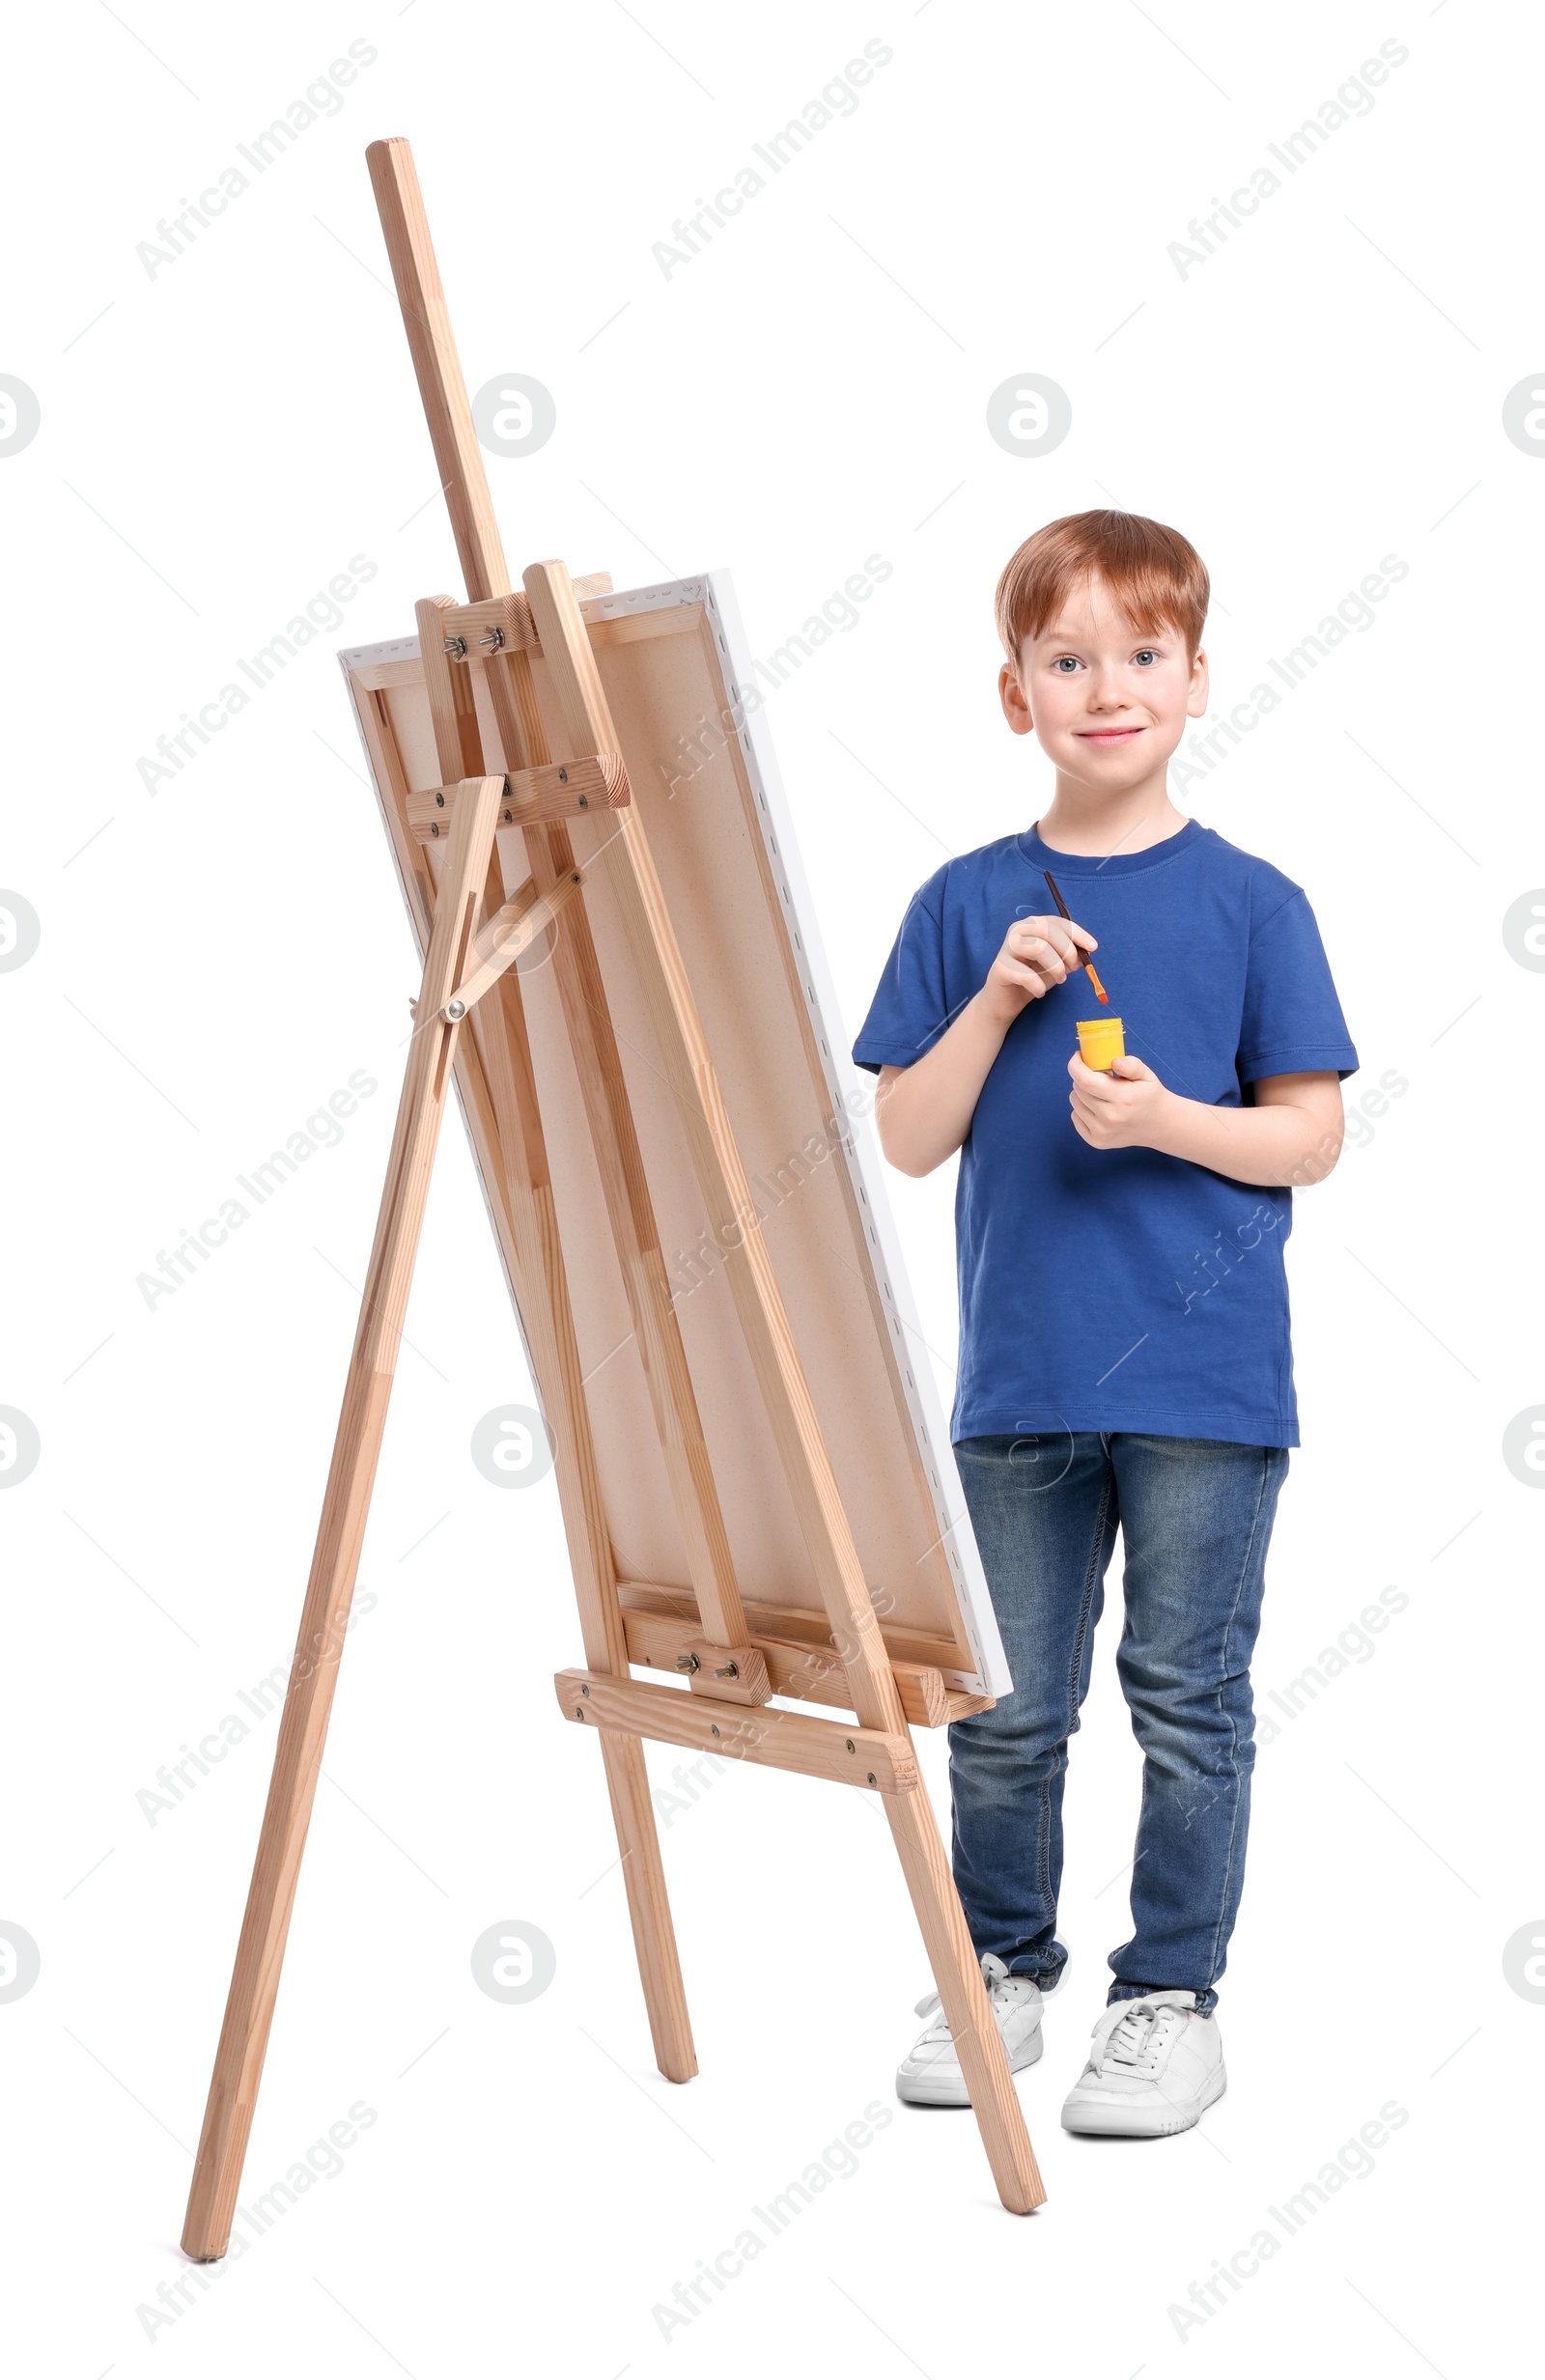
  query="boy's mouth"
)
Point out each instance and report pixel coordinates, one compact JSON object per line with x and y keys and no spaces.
{"x":1107,"y":735}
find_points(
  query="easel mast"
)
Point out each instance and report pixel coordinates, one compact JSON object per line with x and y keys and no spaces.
{"x":469,"y":1015}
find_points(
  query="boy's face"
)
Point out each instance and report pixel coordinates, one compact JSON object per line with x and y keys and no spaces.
{"x":1108,"y":701}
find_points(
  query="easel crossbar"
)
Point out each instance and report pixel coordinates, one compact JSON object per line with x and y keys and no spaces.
{"x":807,"y":1672}
{"x":531,"y":795}
{"x":508,"y":935}
{"x":863,"y":1756}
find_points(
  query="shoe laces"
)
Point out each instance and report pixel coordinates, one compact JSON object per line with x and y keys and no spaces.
{"x":1139,"y":2038}
{"x":1003,"y":1990}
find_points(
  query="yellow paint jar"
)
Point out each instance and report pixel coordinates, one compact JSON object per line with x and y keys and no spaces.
{"x":1100,"y":1041}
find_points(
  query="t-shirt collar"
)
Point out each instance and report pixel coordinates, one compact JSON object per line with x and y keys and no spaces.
{"x":1042,"y":855}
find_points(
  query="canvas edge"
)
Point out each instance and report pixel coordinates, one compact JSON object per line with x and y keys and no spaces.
{"x":714,"y":590}
{"x":991,"y":1674}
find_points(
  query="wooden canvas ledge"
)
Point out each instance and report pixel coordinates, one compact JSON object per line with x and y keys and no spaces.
{"x":621,"y":977}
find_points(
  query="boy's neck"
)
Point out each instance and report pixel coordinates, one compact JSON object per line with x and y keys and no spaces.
{"x":1089,"y":824}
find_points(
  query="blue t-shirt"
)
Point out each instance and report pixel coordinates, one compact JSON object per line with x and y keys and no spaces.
{"x":1119,"y":1289}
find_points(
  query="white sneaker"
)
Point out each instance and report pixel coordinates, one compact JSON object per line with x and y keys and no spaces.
{"x":930,"y":2077}
{"x":1155,"y":2066}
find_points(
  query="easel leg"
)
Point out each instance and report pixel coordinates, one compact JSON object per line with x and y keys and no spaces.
{"x":356,"y":1448}
{"x":958,"y":1975}
{"x":654,"y":1935}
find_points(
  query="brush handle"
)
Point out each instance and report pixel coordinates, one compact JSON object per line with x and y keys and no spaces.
{"x":1095,"y":984}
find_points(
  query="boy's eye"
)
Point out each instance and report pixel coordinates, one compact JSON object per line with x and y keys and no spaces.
{"x":1065,"y":662}
{"x":1146,"y":655}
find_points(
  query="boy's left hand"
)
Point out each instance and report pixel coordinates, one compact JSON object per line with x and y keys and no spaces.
{"x":1120,"y":1109}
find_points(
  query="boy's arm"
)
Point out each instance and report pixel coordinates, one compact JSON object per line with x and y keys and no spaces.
{"x":1292,"y":1136}
{"x":923,"y":1111}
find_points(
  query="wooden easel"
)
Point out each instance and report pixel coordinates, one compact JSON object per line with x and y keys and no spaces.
{"x":470,"y":1018}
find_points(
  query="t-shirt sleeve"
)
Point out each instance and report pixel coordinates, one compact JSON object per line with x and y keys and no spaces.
{"x":1292,"y":1023}
{"x":908,"y":1012}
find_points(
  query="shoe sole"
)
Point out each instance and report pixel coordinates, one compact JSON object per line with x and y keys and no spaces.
{"x":1109,"y":2120}
{"x":924,"y":2091}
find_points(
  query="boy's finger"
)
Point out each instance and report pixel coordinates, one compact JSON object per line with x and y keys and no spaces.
{"x":1054,"y":934}
{"x":1073,"y":939}
{"x":1041,"y":953}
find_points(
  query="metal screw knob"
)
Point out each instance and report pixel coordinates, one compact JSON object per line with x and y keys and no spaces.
{"x":687,"y":1661}
{"x":455,"y":647}
{"x":729,"y":1669}
{"x":493,"y":638}
{"x":455,"y":1011}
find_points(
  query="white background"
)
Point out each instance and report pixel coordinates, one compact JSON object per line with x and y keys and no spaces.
{"x":218,"y":438}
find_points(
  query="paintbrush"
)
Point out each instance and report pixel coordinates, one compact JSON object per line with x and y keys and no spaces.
{"x":1095,"y":984}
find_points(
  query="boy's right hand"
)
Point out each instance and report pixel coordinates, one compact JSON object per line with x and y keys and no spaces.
{"x":1037,"y":953}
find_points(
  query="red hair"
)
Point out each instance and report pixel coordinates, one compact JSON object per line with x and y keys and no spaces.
{"x":1153,"y":572}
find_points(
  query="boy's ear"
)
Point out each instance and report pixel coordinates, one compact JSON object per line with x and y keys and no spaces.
{"x":1198,"y":698}
{"x":1016,"y":709}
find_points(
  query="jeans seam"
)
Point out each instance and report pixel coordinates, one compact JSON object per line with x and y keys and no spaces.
{"x":1091,"y":1579}
{"x":1233,"y":1728}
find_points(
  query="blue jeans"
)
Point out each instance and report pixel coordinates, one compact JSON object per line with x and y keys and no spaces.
{"x":1196,"y":1516}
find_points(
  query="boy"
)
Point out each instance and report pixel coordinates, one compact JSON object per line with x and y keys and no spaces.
{"x":1124,"y":1355}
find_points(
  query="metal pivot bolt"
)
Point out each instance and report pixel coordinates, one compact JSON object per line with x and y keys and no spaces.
{"x":687,"y":1661}
{"x":871,"y":1776}
{"x":439,"y":801}
{"x":455,"y":647}
{"x":493,"y":638}
{"x":563,"y":777}
{"x":456,"y":1010}
{"x":730,"y":1669}
{"x":852,"y":1746}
